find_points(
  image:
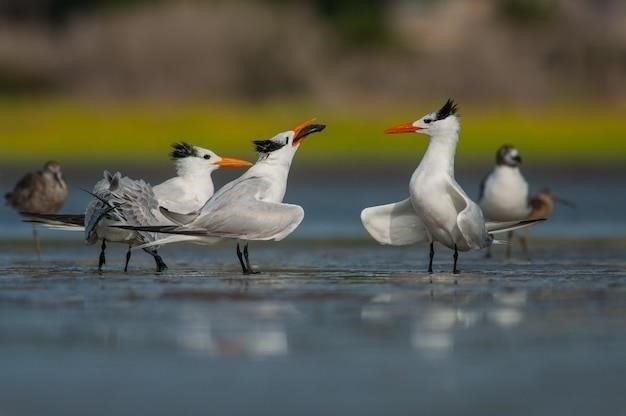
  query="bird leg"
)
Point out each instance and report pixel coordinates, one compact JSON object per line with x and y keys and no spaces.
{"x":509,"y":244}
{"x":431,"y":256}
{"x":523,"y":239}
{"x":455,"y":257}
{"x":160,"y":264}
{"x":244,"y":269}
{"x":245,"y":255}
{"x":127,"y":259}
{"x":102,"y":259}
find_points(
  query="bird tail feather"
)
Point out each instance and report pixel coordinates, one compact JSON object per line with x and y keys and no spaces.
{"x":67,"y":222}
{"x":501,"y":227}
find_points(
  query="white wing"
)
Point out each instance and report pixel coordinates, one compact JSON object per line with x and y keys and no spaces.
{"x":177,"y":238}
{"x":172,"y":195}
{"x":237,"y":213}
{"x":396,"y":224}
{"x":470,"y":219}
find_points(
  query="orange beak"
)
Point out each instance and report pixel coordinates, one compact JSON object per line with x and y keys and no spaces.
{"x":402,"y":128}
{"x":229,"y":162}
{"x":306,"y":128}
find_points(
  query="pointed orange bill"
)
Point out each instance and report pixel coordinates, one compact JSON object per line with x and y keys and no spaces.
{"x":402,"y":128}
{"x":229,"y":162}
{"x":306,"y":128}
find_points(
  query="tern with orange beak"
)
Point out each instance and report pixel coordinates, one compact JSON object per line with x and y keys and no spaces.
{"x":122,"y":200}
{"x":437,"y":210}
{"x":250,"y":207}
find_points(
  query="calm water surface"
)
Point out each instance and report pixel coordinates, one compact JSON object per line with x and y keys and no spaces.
{"x":335,"y":324}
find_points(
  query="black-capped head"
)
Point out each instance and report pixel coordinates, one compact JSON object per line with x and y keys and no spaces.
{"x":270,"y":145}
{"x":508,"y":155}
{"x":441,"y":122}
{"x":290,"y":138}
{"x":447,"y":110}
{"x":182,"y":150}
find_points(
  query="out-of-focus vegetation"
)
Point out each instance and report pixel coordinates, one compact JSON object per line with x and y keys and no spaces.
{"x":261,"y":66}
{"x":142,"y":133}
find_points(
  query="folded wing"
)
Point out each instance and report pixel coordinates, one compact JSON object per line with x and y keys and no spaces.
{"x":470,"y":219}
{"x":239,"y":211}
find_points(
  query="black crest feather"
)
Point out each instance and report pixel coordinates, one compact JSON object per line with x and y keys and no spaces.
{"x":448,"y":109}
{"x":267,"y":146}
{"x":182,"y":150}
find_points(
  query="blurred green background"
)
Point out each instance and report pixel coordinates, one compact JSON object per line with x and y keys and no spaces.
{"x":114,"y":80}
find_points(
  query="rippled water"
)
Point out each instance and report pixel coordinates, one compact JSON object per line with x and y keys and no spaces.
{"x":329,"y":328}
{"x":335,"y":324}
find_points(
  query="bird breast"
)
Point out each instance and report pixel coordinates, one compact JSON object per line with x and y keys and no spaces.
{"x":505,"y":196}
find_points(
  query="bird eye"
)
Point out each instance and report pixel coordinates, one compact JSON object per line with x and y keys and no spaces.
{"x":427,"y":120}
{"x":207,"y":157}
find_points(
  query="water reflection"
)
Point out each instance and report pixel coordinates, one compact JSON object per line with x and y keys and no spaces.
{"x":437,"y":320}
{"x":256,"y":329}
{"x":432,"y":344}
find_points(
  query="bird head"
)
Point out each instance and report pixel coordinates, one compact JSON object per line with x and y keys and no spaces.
{"x":287,"y":142}
{"x":193,"y":158}
{"x":52,"y":166}
{"x":508,"y":155}
{"x":440,"y":122}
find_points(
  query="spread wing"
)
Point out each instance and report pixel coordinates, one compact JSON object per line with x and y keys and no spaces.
{"x":395,"y":224}
{"x":239,"y":211}
{"x":121,"y":200}
{"x":470,"y":219}
{"x":139,"y":204}
{"x":97,"y":209}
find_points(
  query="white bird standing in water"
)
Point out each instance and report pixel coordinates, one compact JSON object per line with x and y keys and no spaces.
{"x":503,"y":195}
{"x":437,"y":210}
{"x":250,"y":207}
{"x":43,"y":192}
{"x":121,"y":200}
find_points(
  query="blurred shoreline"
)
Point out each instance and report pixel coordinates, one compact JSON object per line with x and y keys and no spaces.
{"x":84,"y":132}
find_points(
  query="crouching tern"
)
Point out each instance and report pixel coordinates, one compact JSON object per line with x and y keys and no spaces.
{"x":437,"y":210}
{"x":503,"y":195}
{"x":122,"y":200}
{"x":248,"y":208}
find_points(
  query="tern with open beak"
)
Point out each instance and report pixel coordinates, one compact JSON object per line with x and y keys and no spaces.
{"x":437,"y":210}
{"x":250,"y":207}
{"x":122,"y":200}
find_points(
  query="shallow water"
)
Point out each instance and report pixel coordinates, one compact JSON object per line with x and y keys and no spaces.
{"x":335,"y":324}
{"x":327,"y":328}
